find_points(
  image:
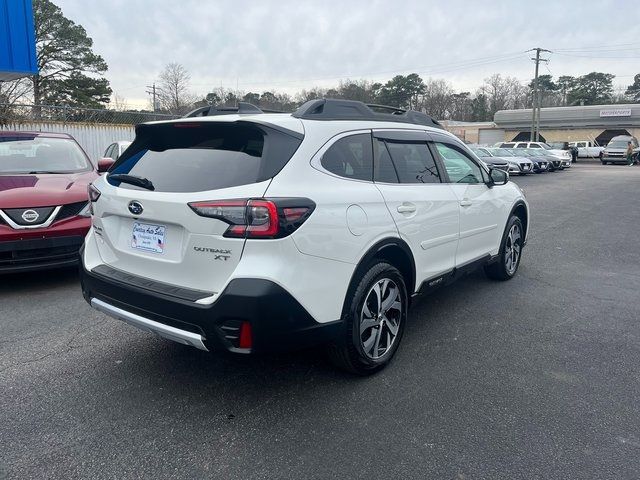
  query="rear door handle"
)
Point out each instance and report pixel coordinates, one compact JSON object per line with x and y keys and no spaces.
{"x":466,"y":202}
{"x":406,"y":208}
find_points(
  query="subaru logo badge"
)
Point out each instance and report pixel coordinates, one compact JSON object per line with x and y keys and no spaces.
{"x":135,"y":207}
{"x":30,"y":216}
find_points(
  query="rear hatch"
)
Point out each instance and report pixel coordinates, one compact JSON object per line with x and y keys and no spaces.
{"x":155,"y":231}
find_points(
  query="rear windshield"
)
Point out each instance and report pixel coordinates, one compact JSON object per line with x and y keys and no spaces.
{"x":23,"y":154}
{"x":195,"y":157}
{"x":618,"y":144}
{"x":502,"y":151}
{"x":481,"y":153}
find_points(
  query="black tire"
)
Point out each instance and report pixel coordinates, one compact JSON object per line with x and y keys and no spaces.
{"x":502,"y":269}
{"x":349,"y":352}
{"x":603,"y":162}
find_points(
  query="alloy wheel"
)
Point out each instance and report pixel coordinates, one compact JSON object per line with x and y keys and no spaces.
{"x":512,"y":249}
{"x":380,"y":318}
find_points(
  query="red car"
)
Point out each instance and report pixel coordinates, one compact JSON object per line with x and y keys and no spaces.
{"x":44,"y":208}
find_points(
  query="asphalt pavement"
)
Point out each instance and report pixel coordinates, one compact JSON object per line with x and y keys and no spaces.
{"x":538,"y":377}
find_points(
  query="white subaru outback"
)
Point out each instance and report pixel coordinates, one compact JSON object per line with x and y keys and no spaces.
{"x":250,"y":232}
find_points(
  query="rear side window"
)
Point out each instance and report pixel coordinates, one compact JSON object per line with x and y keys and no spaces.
{"x":535,"y":145}
{"x":350,"y":157}
{"x":195,"y":157}
{"x":413,"y":162}
{"x":521,"y":145}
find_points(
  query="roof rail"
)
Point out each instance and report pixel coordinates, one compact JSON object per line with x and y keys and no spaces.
{"x":334,"y":109}
{"x":210,"y":110}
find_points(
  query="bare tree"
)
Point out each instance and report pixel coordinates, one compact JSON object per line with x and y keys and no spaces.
{"x":312,"y":94}
{"x":498,"y":90}
{"x":437,"y":99}
{"x":14,"y":91}
{"x":173,"y":89}
{"x":118,"y":102}
{"x":11,"y":94}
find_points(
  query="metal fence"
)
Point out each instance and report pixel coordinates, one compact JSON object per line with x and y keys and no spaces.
{"x":64,"y":114}
{"x":94,"y":129}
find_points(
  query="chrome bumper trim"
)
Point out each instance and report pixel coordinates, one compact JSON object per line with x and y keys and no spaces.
{"x":165,"y":331}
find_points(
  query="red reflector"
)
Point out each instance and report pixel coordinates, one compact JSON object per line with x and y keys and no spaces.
{"x":293,"y":214}
{"x":245,"y":335}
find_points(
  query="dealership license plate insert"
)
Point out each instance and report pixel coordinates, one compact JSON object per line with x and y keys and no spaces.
{"x":148,"y":237}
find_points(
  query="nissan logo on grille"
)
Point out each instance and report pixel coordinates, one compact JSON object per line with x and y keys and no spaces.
{"x":30,"y":216}
{"x":135,"y":207}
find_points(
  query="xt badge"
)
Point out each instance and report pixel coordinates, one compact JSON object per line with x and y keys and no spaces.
{"x":218,"y":254}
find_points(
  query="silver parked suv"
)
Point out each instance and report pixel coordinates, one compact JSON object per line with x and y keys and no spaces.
{"x":616,"y":149}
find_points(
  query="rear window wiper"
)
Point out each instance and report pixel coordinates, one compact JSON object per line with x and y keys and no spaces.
{"x":133,"y":180}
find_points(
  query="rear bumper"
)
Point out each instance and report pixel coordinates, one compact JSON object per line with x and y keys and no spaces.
{"x":39,"y":253}
{"x":278,"y":322}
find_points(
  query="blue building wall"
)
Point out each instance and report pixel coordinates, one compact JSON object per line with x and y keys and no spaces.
{"x":17,"y":40}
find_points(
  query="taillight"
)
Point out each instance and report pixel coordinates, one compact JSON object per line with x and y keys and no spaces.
{"x":94,"y":193}
{"x":257,"y":217}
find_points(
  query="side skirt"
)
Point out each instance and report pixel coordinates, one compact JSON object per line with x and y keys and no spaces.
{"x":431,"y":284}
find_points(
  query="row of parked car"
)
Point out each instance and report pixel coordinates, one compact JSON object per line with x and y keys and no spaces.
{"x":522,"y":158}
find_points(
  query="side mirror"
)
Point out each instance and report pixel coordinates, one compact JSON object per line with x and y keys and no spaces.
{"x":104,"y":164}
{"x":498,"y":177}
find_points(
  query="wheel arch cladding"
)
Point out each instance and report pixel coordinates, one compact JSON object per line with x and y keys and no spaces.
{"x":394,"y":251}
{"x":520,"y":211}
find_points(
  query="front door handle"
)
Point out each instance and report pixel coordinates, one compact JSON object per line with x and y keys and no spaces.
{"x":406,"y":208}
{"x":466,"y":202}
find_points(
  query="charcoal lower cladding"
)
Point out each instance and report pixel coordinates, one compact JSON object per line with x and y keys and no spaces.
{"x":38,"y":251}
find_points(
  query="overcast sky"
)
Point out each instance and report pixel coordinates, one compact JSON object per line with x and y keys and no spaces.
{"x":290,"y":45}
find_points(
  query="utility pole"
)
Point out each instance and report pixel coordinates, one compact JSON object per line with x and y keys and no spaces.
{"x":535,"y":101}
{"x":152,"y":92}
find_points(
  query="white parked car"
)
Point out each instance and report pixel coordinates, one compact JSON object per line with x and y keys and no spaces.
{"x":252,"y":232}
{"x":116,"y":149}
{"x":587,"y":149}
{"x":515,"y":165}
{"x":563,"y":155}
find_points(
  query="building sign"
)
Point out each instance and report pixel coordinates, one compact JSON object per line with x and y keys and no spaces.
{"x":616,"y":112}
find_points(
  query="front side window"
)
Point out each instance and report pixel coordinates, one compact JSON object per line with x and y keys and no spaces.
{"x":508,"y":145}
{"x":460,"y":168}
{"x":521,"y":145}
{"x":535,"y":145}
{"x":350,"y":157}
{"x":22,"y":154}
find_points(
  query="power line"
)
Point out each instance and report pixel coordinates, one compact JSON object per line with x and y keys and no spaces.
{"x":428,"y":69}
{"x":595,"y":56}
{"x":595,"y":47}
